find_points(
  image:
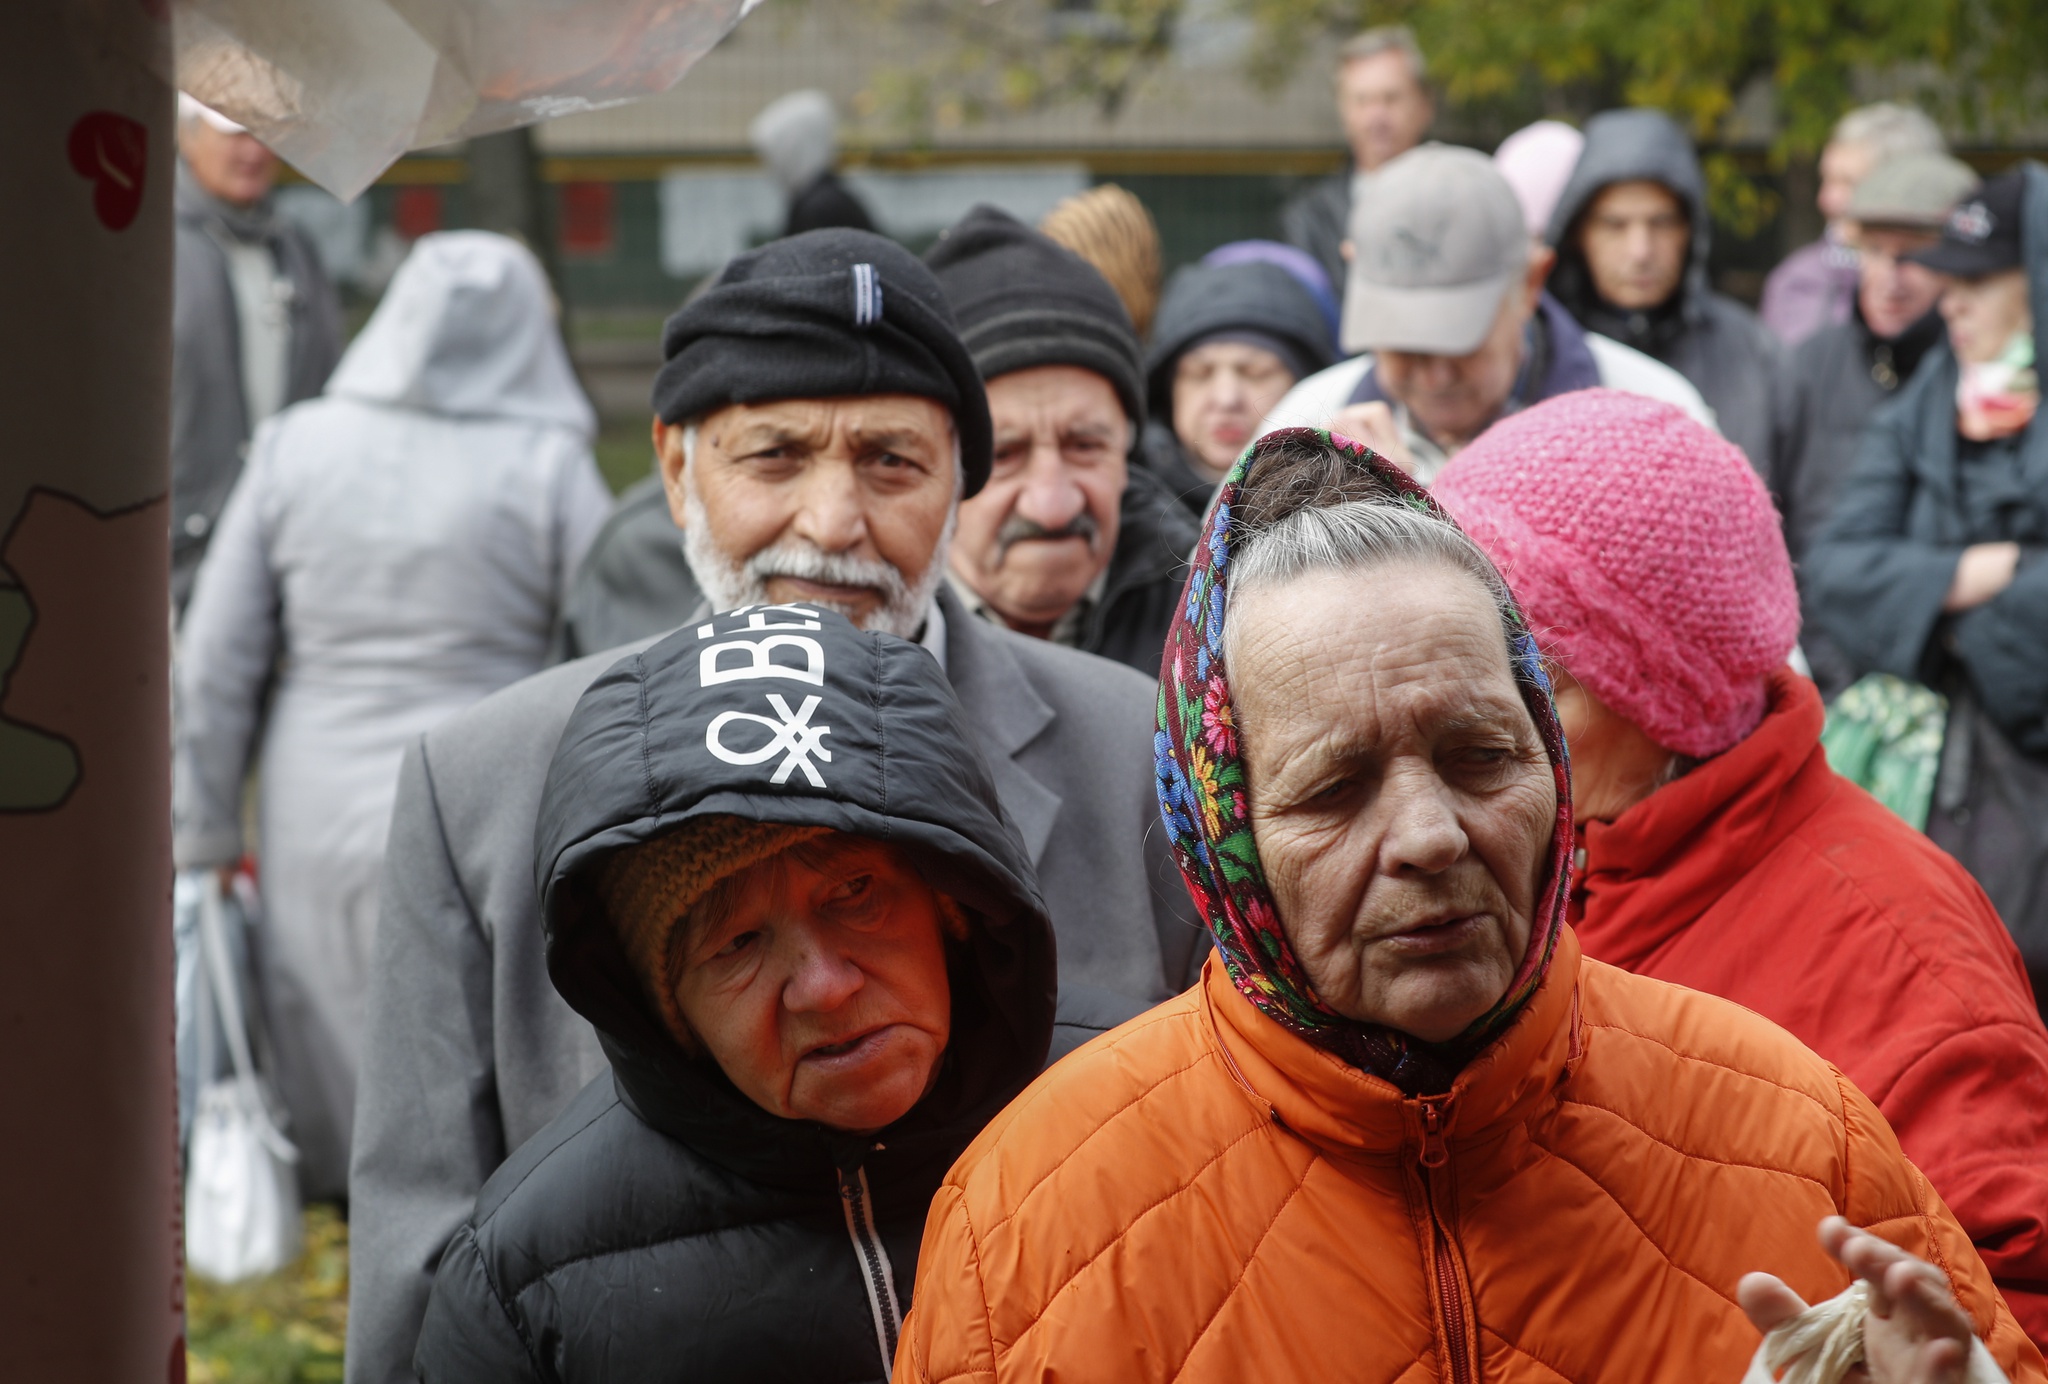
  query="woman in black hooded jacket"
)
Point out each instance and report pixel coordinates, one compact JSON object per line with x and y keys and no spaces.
{"x":683,"y":1219}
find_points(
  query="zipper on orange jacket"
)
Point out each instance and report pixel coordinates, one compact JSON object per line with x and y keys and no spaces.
{"x":1450,"y":1293}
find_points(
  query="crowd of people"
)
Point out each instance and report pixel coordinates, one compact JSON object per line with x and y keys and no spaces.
{"x":1292,"y":821}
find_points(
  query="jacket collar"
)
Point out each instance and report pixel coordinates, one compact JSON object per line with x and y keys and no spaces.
{"x":1654,"y":871}
{"x":1007,"y":712}
{"x":1350,"y":1112}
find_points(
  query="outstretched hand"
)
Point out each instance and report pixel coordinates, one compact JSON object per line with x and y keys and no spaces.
{"x":1913,"y":1333}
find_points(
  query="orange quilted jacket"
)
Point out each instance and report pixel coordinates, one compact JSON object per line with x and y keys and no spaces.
{"x":1200,"y":1195}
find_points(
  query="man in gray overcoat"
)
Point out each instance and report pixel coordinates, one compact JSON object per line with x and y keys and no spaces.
{"x":818,"y":421}
{"x":255,"y":324}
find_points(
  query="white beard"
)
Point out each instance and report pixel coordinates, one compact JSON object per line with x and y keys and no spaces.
{"x":728,"y":582}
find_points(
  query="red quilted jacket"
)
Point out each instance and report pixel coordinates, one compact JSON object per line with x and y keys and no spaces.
{"x":1766,"y":878}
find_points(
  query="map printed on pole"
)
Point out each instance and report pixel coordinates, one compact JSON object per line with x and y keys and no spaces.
{"x":53,"y":639}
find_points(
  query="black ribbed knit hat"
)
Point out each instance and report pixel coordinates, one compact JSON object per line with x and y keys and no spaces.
{"x":1023,"y":300}
{"x":822,"y":315}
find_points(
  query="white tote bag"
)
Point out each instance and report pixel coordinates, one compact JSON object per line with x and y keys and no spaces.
{"x":242,"y":1215}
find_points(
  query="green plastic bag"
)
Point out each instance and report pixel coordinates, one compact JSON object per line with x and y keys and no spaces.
{"x":1884,"y":734}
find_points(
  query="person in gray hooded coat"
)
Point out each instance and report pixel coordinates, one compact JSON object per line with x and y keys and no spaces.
{"x":1633,"y":267}
{"x":395,"y":550}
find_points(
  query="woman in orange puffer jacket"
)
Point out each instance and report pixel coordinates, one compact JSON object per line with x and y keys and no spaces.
{"x":1401,"y":1130}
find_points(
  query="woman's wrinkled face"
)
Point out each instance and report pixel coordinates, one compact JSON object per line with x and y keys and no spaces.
{"x":1222,"y":391}
{"x":822,"y":991}
{"x":1400,"y":795}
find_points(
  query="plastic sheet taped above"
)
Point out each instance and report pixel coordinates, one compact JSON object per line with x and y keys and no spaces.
{"x":341,"y":88}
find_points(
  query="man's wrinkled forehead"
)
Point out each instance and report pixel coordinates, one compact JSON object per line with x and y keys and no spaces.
{"x":871,"y":422}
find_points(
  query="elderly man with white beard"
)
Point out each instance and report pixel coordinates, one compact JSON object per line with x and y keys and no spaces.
{"x":818,"y":422}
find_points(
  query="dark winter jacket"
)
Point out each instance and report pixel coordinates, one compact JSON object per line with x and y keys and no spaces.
{"x":1712,"y":340}
{"x":209,"y":418}
{"x":1160,"y":453}
{"x":664,"y":1226}
{"x":1318,"y":219}
{"x":1142,"y":588}
{"x":633,"y":582}
{"x":1833,"y":382}
{"x":1881,"y":568}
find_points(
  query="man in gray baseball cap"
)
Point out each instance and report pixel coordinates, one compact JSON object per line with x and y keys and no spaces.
{"x":1445,"y":313}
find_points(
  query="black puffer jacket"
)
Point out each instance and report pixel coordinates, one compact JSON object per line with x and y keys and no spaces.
{"x":1708,"y":337}
{"x":665,"y":1226}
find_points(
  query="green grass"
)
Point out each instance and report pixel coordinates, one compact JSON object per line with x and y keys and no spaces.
{"x":284,"y":1329}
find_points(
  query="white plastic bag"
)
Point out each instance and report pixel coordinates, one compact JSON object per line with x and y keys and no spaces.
{"x":242,"y":1214}
{"x":341,"y":88}
{"x":1823,"y":1343}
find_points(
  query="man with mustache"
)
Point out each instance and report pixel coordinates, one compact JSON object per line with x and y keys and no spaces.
{"x":818,"y":422}
{"x":1068,"y":541}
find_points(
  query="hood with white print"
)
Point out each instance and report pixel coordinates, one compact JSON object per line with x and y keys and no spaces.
{"x":790,"y":714}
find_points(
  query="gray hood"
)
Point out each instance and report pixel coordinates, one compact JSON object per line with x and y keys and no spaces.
{"x":467,"y":330}
{"x":1630,"y":146}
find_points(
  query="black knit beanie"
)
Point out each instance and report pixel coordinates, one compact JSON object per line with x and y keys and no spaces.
{"x":822,"y":315}
{"x":1022,"y":300}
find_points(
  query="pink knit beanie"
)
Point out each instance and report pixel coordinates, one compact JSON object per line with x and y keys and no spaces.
{"x":1647,"y":555}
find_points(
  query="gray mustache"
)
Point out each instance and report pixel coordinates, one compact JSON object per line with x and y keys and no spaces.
{"x":1017,"y":528}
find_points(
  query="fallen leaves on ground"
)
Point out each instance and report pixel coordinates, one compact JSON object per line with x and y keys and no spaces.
{"x":283,"y":1329}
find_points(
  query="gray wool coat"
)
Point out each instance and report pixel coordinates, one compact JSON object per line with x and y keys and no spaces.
{"x":470,"y":1049}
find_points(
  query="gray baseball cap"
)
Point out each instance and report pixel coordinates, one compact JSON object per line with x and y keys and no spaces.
{"x":1437,"y":239}
{"x":1917,"y":190}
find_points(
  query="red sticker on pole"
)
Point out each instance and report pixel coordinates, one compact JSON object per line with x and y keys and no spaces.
{"x":112,"y":151}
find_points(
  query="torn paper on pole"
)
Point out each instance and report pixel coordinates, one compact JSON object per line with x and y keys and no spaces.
{"x":341,"y":88}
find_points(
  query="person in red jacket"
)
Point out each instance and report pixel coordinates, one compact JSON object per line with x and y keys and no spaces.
{"x":1717,"y":850}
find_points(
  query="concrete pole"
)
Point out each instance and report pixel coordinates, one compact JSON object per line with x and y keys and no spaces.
{"x":90,"y":1286}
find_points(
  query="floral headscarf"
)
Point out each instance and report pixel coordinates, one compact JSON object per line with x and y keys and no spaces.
{"x":1202,"y":798}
